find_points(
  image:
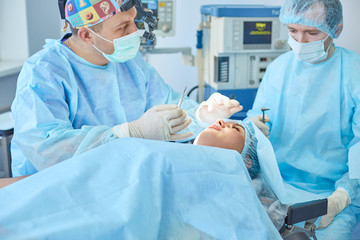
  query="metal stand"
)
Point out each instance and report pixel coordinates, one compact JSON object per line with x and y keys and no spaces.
{"x":6,"y":133}
{"x":293,"y":232}
{"x":300,"y":212}
{"x":188,"y":58}
{"x":5,"y":145}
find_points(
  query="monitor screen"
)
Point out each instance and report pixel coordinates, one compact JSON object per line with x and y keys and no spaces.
{"x":257,"y":32}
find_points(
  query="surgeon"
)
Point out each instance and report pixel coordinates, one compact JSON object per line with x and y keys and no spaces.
{"x":93,"y":86}
{"x":313,"y":93}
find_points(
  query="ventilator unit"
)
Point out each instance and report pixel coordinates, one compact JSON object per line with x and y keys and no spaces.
{"x":239,"y":42}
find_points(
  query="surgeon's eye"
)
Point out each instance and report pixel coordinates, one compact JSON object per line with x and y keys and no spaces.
{"x":313,"y":33}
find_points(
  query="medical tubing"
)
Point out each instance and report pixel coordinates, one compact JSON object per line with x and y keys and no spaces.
{"x":191,"y":90}
{"x":200,"y":63}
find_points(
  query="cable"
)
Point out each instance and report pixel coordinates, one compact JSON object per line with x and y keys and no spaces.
{"x":191,"y":90}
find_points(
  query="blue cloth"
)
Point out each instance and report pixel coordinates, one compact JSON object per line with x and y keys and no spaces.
{"x":138,"y":189}
{"x":356,"y":233}
{"x":340,"y":228}
{"x":325,"y":15}
{"x":314,"y":123}
{"x":65,"y":105}
{"x":270,"y":173}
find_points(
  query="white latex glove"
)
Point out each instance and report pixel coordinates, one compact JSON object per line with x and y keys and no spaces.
{"x":161,"y":122}
{"x":259,"y":123}
{"x":217,"y":107}
{"x":336,"y":203}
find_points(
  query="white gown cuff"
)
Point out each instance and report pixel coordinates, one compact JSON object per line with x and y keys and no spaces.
{"x":121,"y":130}
{"x":343,"y":190}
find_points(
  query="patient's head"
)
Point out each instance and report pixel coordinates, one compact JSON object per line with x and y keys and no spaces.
{"x":231,"y":135}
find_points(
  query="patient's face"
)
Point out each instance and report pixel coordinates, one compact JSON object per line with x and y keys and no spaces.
{"x":222,"y":134}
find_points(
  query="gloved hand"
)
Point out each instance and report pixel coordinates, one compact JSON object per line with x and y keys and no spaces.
{"x":259,"y":123}
{"x":217,"y":107}
{"x":336,"y":203}
{"x":161,"y":122}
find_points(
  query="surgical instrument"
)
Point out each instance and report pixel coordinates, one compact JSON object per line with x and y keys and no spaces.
{"x":263,"y":111}
{"x":182,"y":98}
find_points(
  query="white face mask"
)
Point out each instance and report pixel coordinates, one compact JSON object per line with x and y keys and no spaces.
{"x":311,"y":52}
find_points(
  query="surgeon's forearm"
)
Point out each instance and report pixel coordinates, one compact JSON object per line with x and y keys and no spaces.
{"x":7,"y":181}
{"x":61,"y":144}
{"x":351,"y":186}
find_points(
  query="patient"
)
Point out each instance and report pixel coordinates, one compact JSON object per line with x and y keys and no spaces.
{"x":241,"y":137}
{"x":232,"y":135}
{"x":229,"y":135}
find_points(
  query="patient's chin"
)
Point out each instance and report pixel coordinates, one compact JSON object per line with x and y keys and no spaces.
{"x":208,"y":137}
{"x":196,"y":140}
{"x":205,"y":142}
{"x":201,"y":138}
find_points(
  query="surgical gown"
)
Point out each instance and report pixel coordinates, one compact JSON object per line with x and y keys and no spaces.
{"x":315,"y":127}
{"x":65,"y":105}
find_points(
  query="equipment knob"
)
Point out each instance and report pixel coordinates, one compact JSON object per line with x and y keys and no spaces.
{"x":279,"y":44}
{"x":166,"y":28}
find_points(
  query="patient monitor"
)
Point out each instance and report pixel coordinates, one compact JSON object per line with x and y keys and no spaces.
{"x":239,"y":42}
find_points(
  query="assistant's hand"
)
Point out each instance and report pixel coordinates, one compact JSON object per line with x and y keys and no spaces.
{"x":161,"y":122}
{"x":217,"y":107}
{"x":262,"y":126}
{"x":336,"y":203}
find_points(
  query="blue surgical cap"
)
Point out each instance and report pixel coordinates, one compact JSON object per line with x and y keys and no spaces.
{"x":249,"y":152}
{"x":325,"y":15}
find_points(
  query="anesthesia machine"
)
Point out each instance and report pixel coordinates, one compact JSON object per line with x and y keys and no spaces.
{"x":238,"y":42}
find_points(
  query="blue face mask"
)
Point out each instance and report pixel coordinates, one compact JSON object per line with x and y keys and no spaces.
{"x":311,"y":52}
{"x":125,"y":48}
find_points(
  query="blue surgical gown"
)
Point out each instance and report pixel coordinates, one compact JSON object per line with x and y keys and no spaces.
{"x":65,"y":105}
{"x":315,"y":122}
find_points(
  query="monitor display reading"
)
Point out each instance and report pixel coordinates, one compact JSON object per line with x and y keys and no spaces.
{"x":257,"y":32}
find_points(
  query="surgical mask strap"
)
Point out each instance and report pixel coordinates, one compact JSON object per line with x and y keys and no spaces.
{"x":98,"y":49}
{"x":99,"y":36}
{"x":123,"y":38}
{"x":329,"y":44}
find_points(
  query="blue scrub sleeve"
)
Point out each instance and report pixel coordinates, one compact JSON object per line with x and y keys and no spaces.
{"x":354,"y":151}
{"x":46,"y":135}
{"x":350,"y":184}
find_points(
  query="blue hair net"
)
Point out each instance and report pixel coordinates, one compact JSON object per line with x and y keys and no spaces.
{"x":249,"y":152}
{"x":325,"y":15}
